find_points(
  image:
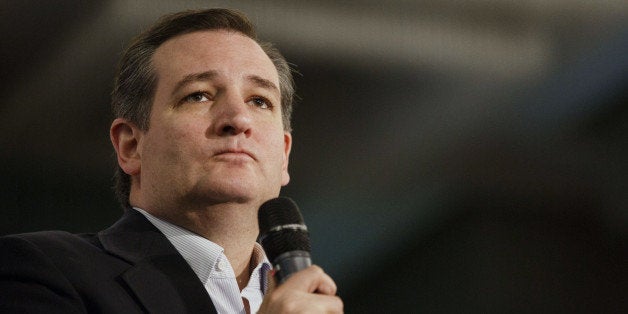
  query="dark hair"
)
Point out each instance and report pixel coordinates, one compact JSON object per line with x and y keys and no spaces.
{"x":135,"y":82}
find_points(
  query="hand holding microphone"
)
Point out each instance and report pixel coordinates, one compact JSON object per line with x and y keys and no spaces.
{"x":301,"y":287}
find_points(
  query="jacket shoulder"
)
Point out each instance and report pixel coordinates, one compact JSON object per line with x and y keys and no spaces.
{"x":29,"y":272}
{"x":54,"y":244}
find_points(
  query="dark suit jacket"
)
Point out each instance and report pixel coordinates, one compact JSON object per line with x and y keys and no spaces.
{"x":129,"y":268}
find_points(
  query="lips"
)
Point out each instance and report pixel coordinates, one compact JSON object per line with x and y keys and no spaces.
{"x":235,"y":152}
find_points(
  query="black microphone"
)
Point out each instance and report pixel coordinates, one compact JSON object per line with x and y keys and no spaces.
{"x":284,"y":237}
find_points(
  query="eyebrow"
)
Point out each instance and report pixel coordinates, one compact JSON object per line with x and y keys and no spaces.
{"x":211,"y":74}
{"x":262,"y":82}
{"x":194,"y":77}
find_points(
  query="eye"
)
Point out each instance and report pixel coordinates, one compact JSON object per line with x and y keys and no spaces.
{"x":261,"y":102}
{"x":196,"y":97}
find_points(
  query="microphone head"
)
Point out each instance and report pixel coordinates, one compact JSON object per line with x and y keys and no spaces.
{"x":281,"y":228}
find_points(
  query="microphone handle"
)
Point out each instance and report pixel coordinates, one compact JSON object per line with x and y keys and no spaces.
{"x":291,"y":262}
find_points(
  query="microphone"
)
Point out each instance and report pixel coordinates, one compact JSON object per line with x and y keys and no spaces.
{"x":284,"y":237}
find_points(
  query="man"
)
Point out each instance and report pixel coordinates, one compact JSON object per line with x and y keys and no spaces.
{"x":202,"y":137}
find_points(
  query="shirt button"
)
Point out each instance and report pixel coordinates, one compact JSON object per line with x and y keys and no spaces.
{"x":221,"y":266}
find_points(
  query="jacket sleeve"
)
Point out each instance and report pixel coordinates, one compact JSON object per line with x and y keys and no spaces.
{"x":31,"y":283}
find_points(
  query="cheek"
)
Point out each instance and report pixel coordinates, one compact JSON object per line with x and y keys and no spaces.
{"x":172,"y":145}
{"x":275,"y":149}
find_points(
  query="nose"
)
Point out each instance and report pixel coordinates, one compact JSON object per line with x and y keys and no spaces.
{"x":231,"y":115}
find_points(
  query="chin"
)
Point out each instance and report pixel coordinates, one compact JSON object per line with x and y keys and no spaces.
{"x":236,"y":187}
{"x":236,"y":193}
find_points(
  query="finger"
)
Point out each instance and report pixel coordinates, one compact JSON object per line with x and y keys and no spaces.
{"x":311,"y":279}
{"x":333,"y":304}
{"x":319,"y":303}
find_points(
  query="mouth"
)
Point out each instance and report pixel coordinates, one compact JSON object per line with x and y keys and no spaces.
{"x":235,"y":154}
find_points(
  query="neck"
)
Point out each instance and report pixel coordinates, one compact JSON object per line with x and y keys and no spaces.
{"x":233,"y":226}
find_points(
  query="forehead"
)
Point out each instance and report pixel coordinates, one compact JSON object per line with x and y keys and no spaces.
{"x":230,"y":53}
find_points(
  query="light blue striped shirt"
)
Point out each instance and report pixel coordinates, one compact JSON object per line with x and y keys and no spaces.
{"x":208,"y":261}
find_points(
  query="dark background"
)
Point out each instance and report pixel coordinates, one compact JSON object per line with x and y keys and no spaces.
{"x":449,"y":156}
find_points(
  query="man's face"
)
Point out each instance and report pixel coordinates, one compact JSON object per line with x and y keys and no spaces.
{"x":216,"y":132}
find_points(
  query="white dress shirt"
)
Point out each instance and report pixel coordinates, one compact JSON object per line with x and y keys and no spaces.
{"x":208,"y":261}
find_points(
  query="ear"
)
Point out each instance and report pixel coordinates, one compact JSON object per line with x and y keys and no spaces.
{"x":287,"y":141}
{"x":125,"y":137}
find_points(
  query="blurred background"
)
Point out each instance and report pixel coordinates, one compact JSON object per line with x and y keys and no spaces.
{"x":449,"y":156}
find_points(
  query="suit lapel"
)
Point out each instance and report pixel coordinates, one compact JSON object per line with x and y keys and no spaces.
{"x":159,"y":276}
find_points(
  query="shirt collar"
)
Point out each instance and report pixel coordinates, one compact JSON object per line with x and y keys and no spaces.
{"x":202,"y":255}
